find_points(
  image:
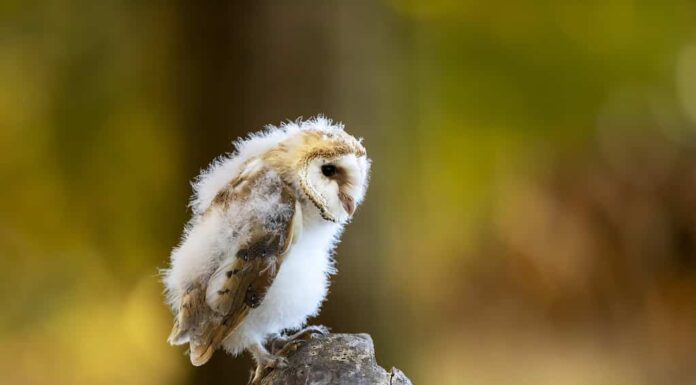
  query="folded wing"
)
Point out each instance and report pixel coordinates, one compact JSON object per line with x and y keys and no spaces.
{"x":209,"y":313}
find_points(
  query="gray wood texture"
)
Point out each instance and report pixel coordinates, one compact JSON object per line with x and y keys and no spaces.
{"x":335,"y":359}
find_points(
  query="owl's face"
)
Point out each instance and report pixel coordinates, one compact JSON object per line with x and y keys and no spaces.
{"x":329,"y":167}
{"x":340,"y":182}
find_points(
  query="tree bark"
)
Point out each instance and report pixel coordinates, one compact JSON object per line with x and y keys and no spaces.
{"x":335,"y":359}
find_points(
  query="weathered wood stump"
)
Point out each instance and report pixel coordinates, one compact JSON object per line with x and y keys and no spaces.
{"x":335,"y":359}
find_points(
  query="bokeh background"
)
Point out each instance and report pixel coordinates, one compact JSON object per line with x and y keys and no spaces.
{"x":532,"y":212}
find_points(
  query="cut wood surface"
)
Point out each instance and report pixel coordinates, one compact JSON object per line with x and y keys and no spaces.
{"x":335,"y":359}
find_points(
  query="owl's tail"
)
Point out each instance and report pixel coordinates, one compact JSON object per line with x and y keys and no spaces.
{"x":189,"y":315}
{"x":200,"y":349}
{"x":178,"y":336}
{"x":202,"y":346}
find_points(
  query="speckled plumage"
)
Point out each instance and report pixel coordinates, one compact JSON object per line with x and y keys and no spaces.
{"x":255,"y":257}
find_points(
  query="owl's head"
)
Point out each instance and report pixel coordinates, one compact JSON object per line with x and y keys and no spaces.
{"x":329,"y":167}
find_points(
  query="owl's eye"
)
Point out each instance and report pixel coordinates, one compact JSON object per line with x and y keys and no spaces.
{"x":328,"y":170}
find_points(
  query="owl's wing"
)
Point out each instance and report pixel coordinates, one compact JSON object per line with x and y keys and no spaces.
{"x":209,"y":314}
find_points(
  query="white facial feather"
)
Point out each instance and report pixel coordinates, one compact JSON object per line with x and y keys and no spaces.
{"x":217,"y":231}
{"x":356,"y":177}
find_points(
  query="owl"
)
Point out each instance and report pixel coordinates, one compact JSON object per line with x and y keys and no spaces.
{"x":255,"y":258}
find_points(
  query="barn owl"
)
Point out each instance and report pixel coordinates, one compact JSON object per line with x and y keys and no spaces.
{"x":255,"y":258}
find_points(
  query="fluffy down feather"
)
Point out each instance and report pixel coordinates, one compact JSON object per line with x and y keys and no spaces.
{"x":241,"y":190}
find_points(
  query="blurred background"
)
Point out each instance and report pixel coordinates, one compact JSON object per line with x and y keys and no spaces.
{"x":532,"y":212}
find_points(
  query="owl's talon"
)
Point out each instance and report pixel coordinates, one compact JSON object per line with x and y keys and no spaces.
{"x":290,"y":347}
{"x":283,"y":346}
{"x":310,"y":332}
{"x":263,"y":369}
{"x":278,"y":362}
{"x":265,"y":363}
{"x":317,"y":330}
{"x":277,"y":344}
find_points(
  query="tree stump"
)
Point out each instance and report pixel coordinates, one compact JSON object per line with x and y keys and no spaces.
{"x":335,"y":359}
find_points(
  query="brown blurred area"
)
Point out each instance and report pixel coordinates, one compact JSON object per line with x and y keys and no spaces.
{"x":531,"y":217}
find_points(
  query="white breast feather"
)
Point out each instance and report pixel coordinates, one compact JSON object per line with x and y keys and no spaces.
{"x":296,"y":293}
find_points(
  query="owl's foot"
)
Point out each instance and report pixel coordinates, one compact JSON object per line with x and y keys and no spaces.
{"x":311,"y":332}
{"x":265,"y":363}
{"x":283,"y":346}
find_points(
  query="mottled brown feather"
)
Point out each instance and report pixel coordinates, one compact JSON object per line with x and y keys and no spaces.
{"x":208,"y":321}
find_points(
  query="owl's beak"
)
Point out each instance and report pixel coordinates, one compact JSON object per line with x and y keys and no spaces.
{"x":348,"y":203}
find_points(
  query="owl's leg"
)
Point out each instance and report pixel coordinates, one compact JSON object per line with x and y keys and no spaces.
{"x":282,"y":346}
{"x":265,"y":362}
